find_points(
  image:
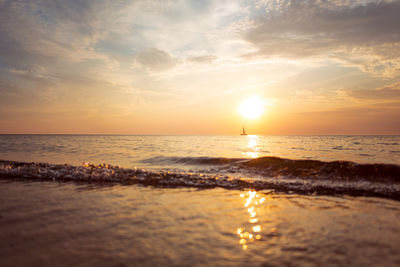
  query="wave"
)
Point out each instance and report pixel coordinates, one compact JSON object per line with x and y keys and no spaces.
{"x":268,"y":173}
{"x":304,"y":168}
{"x":333,"y":170}
{"x":161,"y":160}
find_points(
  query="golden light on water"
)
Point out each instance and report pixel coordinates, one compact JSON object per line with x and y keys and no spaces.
{"x":252,"y":202}
{"x":251,"y":108}
{"x":252,"y":147}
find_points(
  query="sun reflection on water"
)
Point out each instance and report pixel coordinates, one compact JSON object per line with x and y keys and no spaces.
{"x":252,"y":149}
{"x":252,"y":202}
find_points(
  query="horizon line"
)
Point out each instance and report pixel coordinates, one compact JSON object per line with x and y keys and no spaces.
{"x":123,"y":134}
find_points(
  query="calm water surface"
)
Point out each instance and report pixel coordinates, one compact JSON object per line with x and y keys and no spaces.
{"x":47,"y":224}
{"x":131,"y":150}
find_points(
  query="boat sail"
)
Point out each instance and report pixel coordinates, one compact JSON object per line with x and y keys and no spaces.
{"x":244,"y":132}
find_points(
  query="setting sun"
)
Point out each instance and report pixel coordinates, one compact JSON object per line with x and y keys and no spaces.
{"x":251,"y":108}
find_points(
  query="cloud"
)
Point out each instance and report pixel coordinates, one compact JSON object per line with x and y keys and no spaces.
{"x":155,"y":59}
{"x":100,"y":56}
{"x":361,"y":34}
{"x":384,"y":93}
{"x":208,"y":59}
{"x":47,"y":31}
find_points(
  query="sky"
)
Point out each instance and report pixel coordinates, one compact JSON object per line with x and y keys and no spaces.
{"x":184,"y":67}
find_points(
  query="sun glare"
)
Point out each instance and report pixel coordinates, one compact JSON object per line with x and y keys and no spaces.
{"x":251,"y":108}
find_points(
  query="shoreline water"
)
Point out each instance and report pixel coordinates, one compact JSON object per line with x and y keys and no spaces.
{"x":308,"y":177}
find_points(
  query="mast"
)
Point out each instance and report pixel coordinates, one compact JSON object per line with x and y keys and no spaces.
{"x":244,"y":131}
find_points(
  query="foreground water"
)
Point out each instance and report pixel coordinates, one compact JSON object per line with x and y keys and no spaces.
{"x":199,"y":200}
{"x":48,"y":224}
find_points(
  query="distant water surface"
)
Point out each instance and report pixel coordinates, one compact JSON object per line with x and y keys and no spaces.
{"x":136,"y":150}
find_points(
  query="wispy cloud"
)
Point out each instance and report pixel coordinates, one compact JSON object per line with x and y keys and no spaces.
{"x":359,"y":33}
{"x":387,"y":93}
{"x":101,"y":58}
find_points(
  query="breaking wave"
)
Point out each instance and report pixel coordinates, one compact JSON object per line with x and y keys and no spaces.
{"x":333,"y":170}
{"x":161,"y":160}
{"x":272,"y":173}
{"x":307,"y":169}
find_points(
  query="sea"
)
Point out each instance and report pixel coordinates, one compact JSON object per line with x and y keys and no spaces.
{"x":161,"y":200}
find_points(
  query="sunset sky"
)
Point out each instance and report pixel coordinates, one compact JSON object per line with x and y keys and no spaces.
{"x":184,"y":67}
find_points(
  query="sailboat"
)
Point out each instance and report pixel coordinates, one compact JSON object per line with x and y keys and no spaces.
{"x":244,"y":132}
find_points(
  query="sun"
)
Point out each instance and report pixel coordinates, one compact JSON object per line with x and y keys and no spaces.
{"x":252,"y":107}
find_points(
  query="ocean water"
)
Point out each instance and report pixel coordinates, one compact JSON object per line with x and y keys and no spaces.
{"x":139,"y":150}
{"x":87,"y":200}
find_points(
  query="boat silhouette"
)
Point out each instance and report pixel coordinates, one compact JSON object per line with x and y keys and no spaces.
{"x":244,"y":131}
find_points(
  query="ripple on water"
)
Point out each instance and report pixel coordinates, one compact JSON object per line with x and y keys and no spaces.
{"x":70,"y":224}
